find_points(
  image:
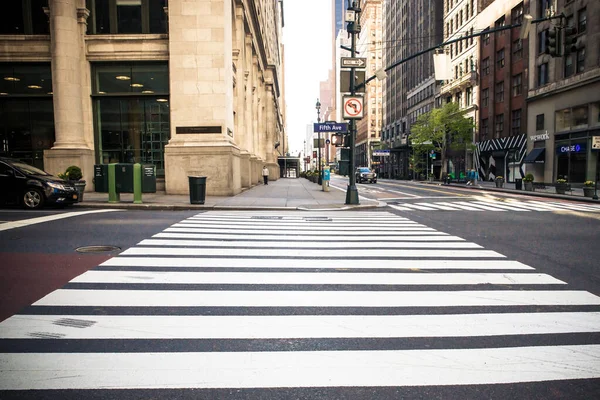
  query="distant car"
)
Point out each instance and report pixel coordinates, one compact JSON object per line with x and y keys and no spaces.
{"x":30,"y":187}
{"x":364,"y":174}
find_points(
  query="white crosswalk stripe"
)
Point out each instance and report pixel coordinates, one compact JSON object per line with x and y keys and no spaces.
{"x":494,"y":205}
{"x":268,"y":299}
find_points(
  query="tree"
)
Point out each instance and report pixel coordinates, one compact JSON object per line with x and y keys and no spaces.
{"x":442,"y":129}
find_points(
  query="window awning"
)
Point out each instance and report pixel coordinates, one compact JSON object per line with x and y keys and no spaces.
{"x":537,"y":156}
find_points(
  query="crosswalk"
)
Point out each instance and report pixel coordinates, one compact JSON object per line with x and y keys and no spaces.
{"x":494,"y":206}
{"x":263,"y":300}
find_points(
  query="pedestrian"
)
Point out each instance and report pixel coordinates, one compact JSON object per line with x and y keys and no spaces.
{"x":265,"y":174}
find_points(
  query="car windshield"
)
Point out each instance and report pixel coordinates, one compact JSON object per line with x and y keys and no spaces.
{"x":28,"y":169}
{"x":364,"y":170}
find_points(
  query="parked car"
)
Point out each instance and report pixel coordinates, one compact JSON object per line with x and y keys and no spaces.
{"x":364,"y":174}
{"x":23,"y":184}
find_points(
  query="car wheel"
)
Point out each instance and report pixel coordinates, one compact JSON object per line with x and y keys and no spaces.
{"x":33,"y":199}
{"x":375,"y":181}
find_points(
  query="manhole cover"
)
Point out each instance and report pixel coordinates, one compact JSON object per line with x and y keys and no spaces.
{"x":97,"y":249}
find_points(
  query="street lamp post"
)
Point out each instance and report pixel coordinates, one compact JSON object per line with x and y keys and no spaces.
{"x":318,"y":107}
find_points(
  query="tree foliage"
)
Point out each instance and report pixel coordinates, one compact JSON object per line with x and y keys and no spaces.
{"x":442,"y":129}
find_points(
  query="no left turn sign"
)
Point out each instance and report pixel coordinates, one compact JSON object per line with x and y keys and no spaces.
{"x":352,"y":107}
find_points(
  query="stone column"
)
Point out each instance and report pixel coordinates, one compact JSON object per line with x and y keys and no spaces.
{"x":201,"y":98}
{"x":71,"y":146}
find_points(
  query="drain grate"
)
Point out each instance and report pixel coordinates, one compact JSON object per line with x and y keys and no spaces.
{"x":265,"y":217}
{"x":97,"y":249}
{"x":317,"y":219}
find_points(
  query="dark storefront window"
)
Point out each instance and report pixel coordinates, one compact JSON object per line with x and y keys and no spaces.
{"x":571,"y":160}
{"x":131,"y":105}
{"x":26,"y":112}
{"x":24,"y":17}
{"x":127,"y":16}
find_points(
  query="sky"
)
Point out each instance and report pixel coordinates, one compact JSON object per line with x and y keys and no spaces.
{"x":307,"y":37}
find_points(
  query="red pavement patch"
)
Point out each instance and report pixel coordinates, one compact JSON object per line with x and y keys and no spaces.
{"x":27,"y":277}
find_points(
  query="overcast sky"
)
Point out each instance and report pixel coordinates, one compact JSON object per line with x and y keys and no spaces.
{"x":308,"y":44}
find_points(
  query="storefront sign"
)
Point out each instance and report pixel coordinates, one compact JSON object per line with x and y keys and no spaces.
{"x":574,"y":148}
{"x":542,"y":136}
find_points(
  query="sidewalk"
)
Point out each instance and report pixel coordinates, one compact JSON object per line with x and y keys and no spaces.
{"x":549,"y":192}
{"x":282,"y":194}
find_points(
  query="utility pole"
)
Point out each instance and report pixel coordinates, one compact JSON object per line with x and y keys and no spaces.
{"x":354,"y":30}
{"x":318,"y":107}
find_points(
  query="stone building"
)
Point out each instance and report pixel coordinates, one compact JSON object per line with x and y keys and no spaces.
{"x":192,"y":87}
{"x":564,"y":95}
{"x":370,"y":46}
{"x":409,"y":90}
{"x":459,"y":20}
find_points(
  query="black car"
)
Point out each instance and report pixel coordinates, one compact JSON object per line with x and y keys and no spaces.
{"x":23,"y":184}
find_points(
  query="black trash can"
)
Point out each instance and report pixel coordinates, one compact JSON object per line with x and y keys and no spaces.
{"x":197,"y":189}
{"x":518,"y":184}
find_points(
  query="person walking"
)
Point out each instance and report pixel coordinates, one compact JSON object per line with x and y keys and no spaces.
{"x":265,"y":174}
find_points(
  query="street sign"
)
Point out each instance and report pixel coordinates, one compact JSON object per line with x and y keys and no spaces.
{"x":352,"y":107}
{"x":354,"y":62}
{"x":331,"y":127}
{"x":381,"y":153}
{"x":345,"y":81}
{"x":596,"y":142}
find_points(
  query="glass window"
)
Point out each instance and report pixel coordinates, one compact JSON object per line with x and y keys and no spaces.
{"x":517,"y":50}
{"x":544,"y":7}
{"x":542,"y":71}
{"x":580,"y":117}
{"x":500,"y":58}
{"x":517,"y":85}
{"x":516,"y":122}
{"x":539,"y":122}
{"x":484,"y":128}
{"x":485,"y":97}
{"x":486,"y":37}
{"x":25,"y":79}
{"x":129,"y":16}
{"x":563,"y":120}
{"x":500,"y":92}
{"x":517,"y":14}
{"x":595,"y":112}
{"x":485,"y":66}
{"x":24,"y":17}
{"x":143,"y":78}
{"x":542,"y":41}
{"x":582,"y":21}
{"x":499,"y":125}
{"x":569,"y":67}
{"x":469,"y":96}
{"x":581,"y":60}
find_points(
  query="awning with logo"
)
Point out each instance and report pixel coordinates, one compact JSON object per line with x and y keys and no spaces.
{"x":537,"y":156}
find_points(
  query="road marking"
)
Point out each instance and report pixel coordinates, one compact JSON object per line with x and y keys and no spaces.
{"x":396,"y":264}
{"x":299,"y":368}
{"x":343,"y":238}
{"x":268,"y":298}
{"x":447,"y":244}
{"x":302,"y":326}
{"x":409,"y":230}
{"x":302,"y":253}
{"x":26,"y":222}
{"x":312,"y":278}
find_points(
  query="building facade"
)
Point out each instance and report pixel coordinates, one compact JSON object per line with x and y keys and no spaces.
{"x":191,"y":89}
{"x":409,"y":27}
{"x":501,"y":137}
{"x":460,"y":18}
{"x":564,"y":96}
{"x":370,"y":46}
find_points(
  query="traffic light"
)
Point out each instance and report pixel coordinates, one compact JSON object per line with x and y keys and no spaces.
{"x":553,"y":42}
{"x":570,"y":40}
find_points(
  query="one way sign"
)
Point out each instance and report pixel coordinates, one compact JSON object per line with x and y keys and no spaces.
{"x":353,"y":62}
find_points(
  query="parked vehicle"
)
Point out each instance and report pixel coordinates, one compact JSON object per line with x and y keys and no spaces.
{"x":364,"y":174}
{"x":32,"y":188}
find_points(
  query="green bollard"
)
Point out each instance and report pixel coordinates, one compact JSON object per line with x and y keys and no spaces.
{"x":137,"y":183}
{"x":113,"y":196}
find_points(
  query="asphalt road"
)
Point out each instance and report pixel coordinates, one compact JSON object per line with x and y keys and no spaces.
{"x":421,"y":299}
